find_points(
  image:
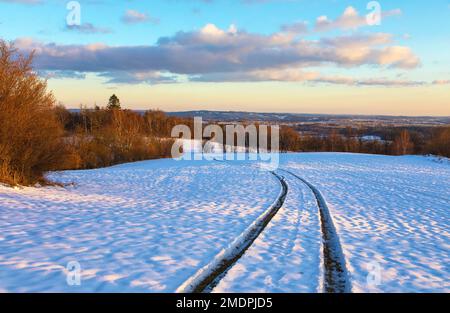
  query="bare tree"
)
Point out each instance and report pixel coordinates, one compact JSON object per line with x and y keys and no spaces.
{"x":30,"y":133}
{"x":403,"y":144}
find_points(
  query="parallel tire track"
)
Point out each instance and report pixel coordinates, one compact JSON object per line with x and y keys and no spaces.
{"x":206,"y":278}
{"x":336,"y":278}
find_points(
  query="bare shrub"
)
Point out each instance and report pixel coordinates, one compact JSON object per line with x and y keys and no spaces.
{"x":402,"y":144}
{"x":30,"y":133}
{"x":440,"y":143}
{"x":106,"y":137}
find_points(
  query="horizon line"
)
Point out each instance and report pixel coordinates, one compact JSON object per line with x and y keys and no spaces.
{"x":291,"y":113}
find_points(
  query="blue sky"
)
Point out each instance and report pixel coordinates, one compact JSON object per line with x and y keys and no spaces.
{"x":254,"y":55}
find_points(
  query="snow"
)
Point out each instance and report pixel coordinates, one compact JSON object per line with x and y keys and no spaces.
{"x":233,"y":250}
{"x":392,"y":215}
{"x":146,"y":226}
{"x":290,"y":246}
{"x":371,"y":138}
{"x":151,"y":226}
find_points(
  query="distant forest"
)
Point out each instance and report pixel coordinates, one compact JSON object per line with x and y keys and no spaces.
{"x":389,"y":140}
{"x":97,"y":124}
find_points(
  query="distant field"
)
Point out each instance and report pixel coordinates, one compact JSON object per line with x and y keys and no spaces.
{"x":233,"y":116}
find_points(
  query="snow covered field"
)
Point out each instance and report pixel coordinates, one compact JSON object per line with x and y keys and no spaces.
{"x":290,"y":246}
{"x":149,"y":226}
{"x":136,"y":227}
{"x":392,"y":215}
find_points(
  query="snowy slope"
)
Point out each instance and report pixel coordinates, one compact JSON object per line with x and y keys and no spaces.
{"x":145,"y":226}
{"x":149,"y":226}
{"x":392,"y":215}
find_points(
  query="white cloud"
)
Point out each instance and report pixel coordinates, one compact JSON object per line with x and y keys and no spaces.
{"x":88,"y":28}
{"x":349,"y":20}
{"x":134,"y":17}
{"x":441,"y":82}
{"x":212,"y":54}
{"x":23,"y":1}
{"x":300,"y":27}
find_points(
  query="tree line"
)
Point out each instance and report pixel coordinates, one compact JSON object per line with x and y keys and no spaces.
{"x":102,"y":137}
{"x":399,"y":141}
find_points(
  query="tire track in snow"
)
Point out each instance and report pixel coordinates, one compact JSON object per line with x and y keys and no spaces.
{"x":206,"y":278}
{"x":287,"y":255}
{"x":336,"y":278}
